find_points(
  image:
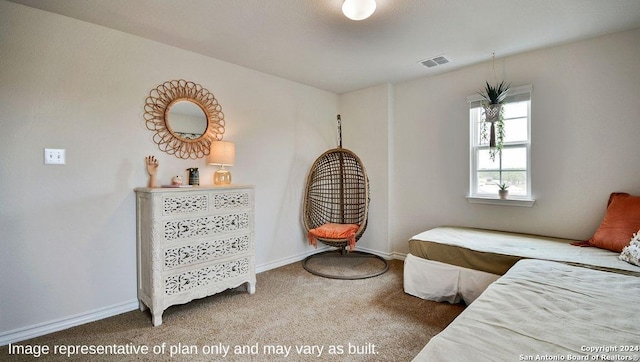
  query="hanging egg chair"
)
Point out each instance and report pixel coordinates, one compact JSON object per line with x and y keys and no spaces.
{"x":335,"y":212}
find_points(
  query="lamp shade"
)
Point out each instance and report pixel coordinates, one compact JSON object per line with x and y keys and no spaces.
{"x":222,"y":153}
{"x":358,"y":9}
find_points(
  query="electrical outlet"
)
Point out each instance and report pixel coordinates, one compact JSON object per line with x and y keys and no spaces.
{"x":53,"y":156}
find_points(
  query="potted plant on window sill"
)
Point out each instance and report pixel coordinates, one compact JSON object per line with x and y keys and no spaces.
{"x":494,"y":97}
{"x":503,"y":191}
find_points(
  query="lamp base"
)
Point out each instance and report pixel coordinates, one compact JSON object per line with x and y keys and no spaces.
{"x":222,"y":177}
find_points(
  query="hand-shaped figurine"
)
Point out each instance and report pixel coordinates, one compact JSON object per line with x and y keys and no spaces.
{"x":152,"y":170}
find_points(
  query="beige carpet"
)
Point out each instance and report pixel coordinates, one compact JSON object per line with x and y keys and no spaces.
{"x":335,"y":320}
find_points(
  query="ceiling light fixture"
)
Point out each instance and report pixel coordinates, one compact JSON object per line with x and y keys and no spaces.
{"x":358,"y":9}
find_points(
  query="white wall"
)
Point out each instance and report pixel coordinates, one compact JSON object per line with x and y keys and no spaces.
{"x":67,"y":233}
{"x":585,"y":128}
{"x":365,"y":125}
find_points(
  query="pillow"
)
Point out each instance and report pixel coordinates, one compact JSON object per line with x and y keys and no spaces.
{"x":631,"y":252}
{"x":620,"y":222}
{"x":334,"y":231}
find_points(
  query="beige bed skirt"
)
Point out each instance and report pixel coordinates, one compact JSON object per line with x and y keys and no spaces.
{"x":495,"y":252}
{"x":463,"y":257}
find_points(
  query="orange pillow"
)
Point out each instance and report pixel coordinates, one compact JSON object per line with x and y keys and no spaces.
{"x":620,"y":222}
{"x":334,"y":231}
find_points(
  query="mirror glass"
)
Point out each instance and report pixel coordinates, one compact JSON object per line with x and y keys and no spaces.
{"x":186,"y":120}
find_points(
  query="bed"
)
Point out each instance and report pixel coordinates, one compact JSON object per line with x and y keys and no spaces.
{"x":456,"y":263}
{"x":545,"y":310}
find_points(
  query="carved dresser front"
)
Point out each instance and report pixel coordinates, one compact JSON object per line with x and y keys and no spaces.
{"x":192,"y":243}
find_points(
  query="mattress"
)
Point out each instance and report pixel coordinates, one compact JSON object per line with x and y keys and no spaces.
{"x":544,"y":310}
{"x":496,"y":251}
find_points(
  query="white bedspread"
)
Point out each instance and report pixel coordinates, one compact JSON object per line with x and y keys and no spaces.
{"x":527,"y":246}
{"x":542,"y":310}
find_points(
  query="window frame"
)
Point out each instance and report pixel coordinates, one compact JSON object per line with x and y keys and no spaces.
{"x":515,"y":94}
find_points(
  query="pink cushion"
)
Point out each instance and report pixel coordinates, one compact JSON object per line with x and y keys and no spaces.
{"x":334,"y":231}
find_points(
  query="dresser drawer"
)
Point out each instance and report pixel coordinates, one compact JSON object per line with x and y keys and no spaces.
{"x":204,"y":202}
{"x":175,"y":257}
{"x":231,"y":200}
{"x":207,"y":275}
{"x":203,"y":226}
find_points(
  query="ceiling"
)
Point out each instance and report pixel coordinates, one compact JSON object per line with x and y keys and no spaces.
{"x":311,"y":42}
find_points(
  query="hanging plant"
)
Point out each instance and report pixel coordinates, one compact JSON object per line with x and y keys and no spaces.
{"x":493,"y":114}
{"x":495,"y":134}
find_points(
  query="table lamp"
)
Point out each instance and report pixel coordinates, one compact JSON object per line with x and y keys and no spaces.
{"x":222,"y":154}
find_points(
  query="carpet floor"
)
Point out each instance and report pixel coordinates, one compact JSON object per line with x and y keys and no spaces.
{"x":293,"y":315}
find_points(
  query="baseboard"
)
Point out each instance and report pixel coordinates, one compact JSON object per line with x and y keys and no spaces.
{"x":288,"y":260}
{"x":388,"y":256}
{"x":41,"y":329}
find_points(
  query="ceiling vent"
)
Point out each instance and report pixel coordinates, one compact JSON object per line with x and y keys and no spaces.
{"x":429,"y":63}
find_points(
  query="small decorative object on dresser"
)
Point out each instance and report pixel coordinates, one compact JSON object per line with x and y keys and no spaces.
{"x":152,"y":170}
{"x":176,"y":181}
{"x":194,"y":176}
{"x":192,"y":243}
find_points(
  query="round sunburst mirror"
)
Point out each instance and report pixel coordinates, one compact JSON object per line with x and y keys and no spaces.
{"x":185,"y":117}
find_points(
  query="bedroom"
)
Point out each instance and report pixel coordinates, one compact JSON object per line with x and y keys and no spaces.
{"x":68,"y":232}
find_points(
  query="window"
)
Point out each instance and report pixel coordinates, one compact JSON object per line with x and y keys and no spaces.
{"x":512,"y":164}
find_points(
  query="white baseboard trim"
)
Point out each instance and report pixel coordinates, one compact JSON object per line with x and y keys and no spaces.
{"x":288,"y":260}
{"x":41,"y":329}
{"x":389,"y":256}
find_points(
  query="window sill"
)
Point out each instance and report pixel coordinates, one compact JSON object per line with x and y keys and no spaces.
{"x":512,"y":201}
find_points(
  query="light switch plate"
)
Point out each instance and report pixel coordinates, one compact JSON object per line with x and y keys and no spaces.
{"x":54,"y":156}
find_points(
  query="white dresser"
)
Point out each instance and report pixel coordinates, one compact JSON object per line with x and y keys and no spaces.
{"x":192,"y":243}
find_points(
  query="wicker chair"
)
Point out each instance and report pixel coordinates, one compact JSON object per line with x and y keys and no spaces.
{"x":337,"y":192}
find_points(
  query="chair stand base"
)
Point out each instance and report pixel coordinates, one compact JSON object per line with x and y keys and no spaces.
{"x":371,"y":265}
